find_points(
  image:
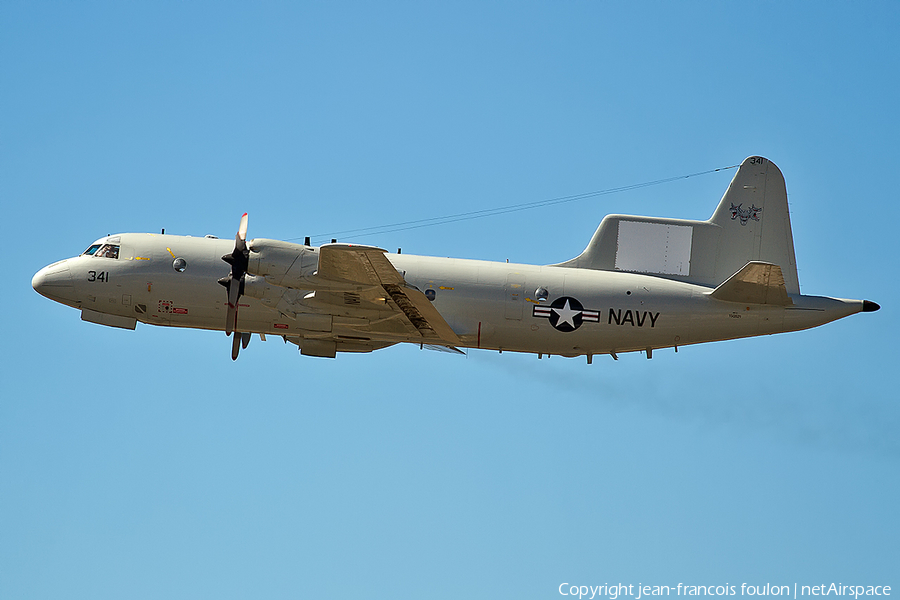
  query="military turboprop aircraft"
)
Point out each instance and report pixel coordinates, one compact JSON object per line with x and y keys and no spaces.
{"x":641,"y":284}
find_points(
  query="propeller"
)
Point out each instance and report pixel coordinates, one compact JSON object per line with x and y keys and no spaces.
{"x":239,"y":260}
{"x":241,"y":340}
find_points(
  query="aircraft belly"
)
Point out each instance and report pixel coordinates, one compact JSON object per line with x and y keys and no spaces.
{"x":631,"y":312}
{"x":584,"y":313}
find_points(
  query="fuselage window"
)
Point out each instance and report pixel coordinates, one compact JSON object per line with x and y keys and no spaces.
{"x":541,"y":294}
{"x":90,"y":251}
{"x":108,"y":251}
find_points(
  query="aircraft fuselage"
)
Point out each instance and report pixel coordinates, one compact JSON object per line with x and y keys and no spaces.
{"x":171,"y":281}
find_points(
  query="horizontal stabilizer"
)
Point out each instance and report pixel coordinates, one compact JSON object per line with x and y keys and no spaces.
{"x":755,"y":283}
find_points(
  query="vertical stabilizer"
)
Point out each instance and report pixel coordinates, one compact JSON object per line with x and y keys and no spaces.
{"x":755,"y":223}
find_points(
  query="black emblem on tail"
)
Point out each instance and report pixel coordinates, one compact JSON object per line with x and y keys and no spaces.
{"x":745,"y":214}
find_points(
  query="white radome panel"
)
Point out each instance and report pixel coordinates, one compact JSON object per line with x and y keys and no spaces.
{"x":654,"y":248}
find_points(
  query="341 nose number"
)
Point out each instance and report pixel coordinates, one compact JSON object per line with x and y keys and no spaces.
{"x":95,"y":276}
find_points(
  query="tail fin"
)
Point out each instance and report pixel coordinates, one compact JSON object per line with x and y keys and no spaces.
{"x":750,"y":224}
{"x":755,"y":222}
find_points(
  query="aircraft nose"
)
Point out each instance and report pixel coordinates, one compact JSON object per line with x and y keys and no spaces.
{"x":55,"y":282}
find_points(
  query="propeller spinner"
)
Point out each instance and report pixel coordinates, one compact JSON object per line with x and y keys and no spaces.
{"x":239,"y":260}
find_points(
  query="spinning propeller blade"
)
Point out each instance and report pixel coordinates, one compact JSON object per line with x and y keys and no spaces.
{"x":242,"y":230}
{"x":239,"y":259}
{"x":235,"y":347}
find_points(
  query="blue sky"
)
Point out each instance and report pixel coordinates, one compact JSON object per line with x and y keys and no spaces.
{"x":146,"y":464}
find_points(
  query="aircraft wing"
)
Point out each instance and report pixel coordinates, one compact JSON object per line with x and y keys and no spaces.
{"x":379,"y":284}
{"x":360,"y":265}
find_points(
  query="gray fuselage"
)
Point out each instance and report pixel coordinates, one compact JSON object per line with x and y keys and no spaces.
{"x":499,"y":306}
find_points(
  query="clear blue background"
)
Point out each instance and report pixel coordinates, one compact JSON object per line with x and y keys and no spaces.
{"x":146,"y":464}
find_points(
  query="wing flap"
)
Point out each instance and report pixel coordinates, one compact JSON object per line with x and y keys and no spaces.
{"x":421,"y":313}
{"x":755,"y":283}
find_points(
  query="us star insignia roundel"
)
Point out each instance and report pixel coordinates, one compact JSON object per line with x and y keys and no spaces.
{"x":566,"y":314}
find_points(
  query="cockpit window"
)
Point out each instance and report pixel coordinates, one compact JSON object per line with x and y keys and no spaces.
{"x":90,"y":251}
{"x":108,"y":251}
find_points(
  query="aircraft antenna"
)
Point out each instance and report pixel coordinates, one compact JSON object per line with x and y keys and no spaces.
{"x":490,"y":212}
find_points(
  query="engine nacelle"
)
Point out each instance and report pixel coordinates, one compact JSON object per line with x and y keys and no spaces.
{"x":257,"y":287}
{"x":282,"y":263}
